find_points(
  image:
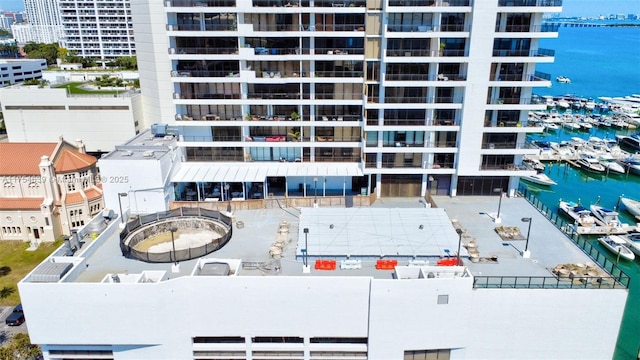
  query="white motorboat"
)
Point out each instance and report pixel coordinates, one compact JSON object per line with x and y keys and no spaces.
{"x":550,"y":126}
{"x":563,"y":104}
{"x":633,"y":241}
{"x":631,"y":164}
{"x":571,"y":125}
{"x":589,"y":162}
{"x":617,"y":245}
{"x":563,"y":149}
{"x":610,"y":164}
{"x":563,"y":79}
{"x":590,"y":105}
{"x":540,"y":179}
{"x":632,"y":206}
{"x":606,"y":217}
{"x":578,"y":213}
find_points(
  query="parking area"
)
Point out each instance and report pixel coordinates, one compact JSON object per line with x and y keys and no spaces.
{"x":6,"y":332}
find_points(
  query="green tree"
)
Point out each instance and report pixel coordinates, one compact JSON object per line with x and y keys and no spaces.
{"x":4,"y":33}
{"x":48,"y":52}
{"x":20,"y":348}
{"x":6,"y":291}
{"x":126,"y":62}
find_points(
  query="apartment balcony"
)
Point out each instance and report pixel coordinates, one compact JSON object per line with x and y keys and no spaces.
{"x":306,"y":3}
{"x":428,"y":28}
{"x":203,"y":51}
{"x":530,"y":3}
{"x":502,"y":167}
{"x":412,"y":3}
{"x":535,"y":76}
{"x":340,"y":74}
{"x":512,"y":101}
{"x":507,"y":146}
{"x":523,"y":52}
{"x":422,"y":100}
{"x":411,"y":122}
{"x":206,"y":96}
{"x":425,"y":77}
{"x":411,"y":52}
{"x":200,"y":3}
{"x":339,"y":51}
{"x":204,"y":27}
{"x":203,"y":73}
{"x":527,"y":28}
{"x":211,"y":138}
{"x":338,"y":117}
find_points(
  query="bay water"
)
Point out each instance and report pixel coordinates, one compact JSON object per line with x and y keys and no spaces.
{"x":600,"y":61}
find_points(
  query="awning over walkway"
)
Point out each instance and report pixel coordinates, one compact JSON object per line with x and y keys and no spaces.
{"x":258,"y":172}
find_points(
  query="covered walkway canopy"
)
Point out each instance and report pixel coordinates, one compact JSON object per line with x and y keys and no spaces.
{"x":258,"y":172}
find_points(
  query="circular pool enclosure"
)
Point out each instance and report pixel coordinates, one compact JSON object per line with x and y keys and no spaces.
{"x":175,"y":235}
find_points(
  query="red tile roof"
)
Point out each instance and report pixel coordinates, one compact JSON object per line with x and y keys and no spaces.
{"x":20,"y":203}
{"x":92,"y":194}
{"x":70,"y":160}
{"x":23,"y":158}
{"x":73,"y":198}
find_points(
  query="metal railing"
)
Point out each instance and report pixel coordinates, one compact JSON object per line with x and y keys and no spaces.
{"x":203,"y":50}
{"x":536,"y":76}
{"x":202,"y":3}
{"x":530,"y":3}
{"x":429,"y":3}
{"x":129,"y":238}
{"x":520,"y":101}
{"x":583,"y":242}
{"x":523,"y":52}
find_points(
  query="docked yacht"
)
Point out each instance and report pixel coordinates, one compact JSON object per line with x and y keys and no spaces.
{"x":633,"y":241}
{"x":617,"y":245}
{"x":631,"y":141}
{"x":540,"y":179}
{"x":610,"y":164}
{"x":631,"y":164}
{"x":605,"y":217}
{"x":632,"y":206}
{"x":578,"y":213}
{"x":563,"y":79}
{"x":589,"y":162}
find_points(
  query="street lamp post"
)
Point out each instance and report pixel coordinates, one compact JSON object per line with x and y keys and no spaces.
{"x":306,"y":251}
{"x":226,"y":190}
{"x":120,"y":205}
{"x":526,"y":253}
{"x":173,"y":243}
{"x":459,"y":231}
{"x":497,"y":219}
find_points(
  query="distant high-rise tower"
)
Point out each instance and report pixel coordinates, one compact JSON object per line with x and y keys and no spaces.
{"x":44,"y":18}
{"x":98,"y":29}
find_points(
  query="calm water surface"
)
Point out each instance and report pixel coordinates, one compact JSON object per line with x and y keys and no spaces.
{"x":574,"y":185}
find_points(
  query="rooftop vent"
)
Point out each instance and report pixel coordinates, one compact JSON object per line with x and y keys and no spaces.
{"x":127,"y":153}
{"x":147,"y":154}
{"x":159,"y":130}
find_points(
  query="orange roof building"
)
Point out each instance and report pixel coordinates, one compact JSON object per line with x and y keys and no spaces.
{"x":46,"y":190}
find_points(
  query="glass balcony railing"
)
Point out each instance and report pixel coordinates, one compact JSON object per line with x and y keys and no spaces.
{"x":530,"y":3}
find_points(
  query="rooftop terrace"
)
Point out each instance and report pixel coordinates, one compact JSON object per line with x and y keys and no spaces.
{"x":401,"y":230}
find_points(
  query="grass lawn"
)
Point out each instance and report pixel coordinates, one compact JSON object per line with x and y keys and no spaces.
{"x":74,"y":88}
{"x":14,"y":255}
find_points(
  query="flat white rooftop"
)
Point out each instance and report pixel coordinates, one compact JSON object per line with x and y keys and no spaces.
{"x":378,"y":232}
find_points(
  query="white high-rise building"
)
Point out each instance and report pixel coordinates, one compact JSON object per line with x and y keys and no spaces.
{"x":44,"y":21}
{"x":416,"y":96}
{"x":98,"y":29}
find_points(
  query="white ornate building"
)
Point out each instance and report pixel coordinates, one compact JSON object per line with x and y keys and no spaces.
{"x":46,"y":190}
